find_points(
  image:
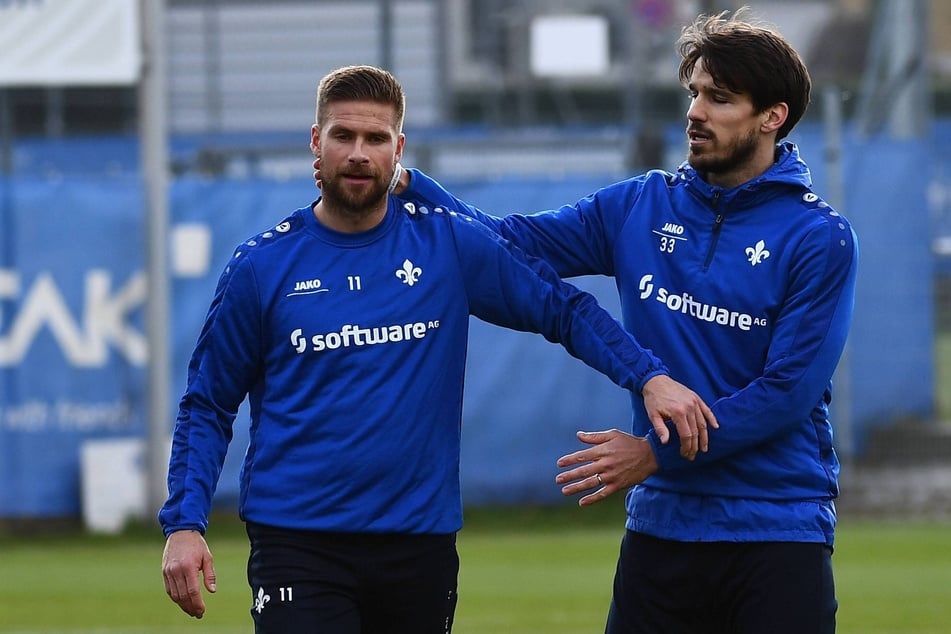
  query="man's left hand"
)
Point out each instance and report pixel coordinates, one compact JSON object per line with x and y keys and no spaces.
{"x":616,"y":461}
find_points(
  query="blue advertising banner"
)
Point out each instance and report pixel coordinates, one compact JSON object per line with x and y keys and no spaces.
{"x":74,"y":358}
{"x":72,"y":346}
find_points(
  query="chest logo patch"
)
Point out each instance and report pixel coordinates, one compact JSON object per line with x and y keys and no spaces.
{"x":307,"y":287}
{"x":756,"y":254}
{"x":409,"y":273}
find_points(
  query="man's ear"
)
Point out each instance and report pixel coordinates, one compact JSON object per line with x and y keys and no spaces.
{"x":399,"y":146}
{"x":315,"y":140}
{"x":774,"y":117}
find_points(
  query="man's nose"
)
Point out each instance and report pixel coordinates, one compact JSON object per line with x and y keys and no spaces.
{"x":358,"y":153}
{"x":695,"y":111}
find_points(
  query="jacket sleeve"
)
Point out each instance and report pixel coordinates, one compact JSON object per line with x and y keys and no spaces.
{"x":808,"y":339}
{"x":507,"y":288}
{"x":222,"y":370}
{"x":575,"y":239}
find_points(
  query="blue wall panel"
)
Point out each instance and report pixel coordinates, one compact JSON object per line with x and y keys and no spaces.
{"x":72,"y":348}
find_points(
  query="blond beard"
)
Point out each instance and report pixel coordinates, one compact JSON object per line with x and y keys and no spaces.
{"x":353,"y":208}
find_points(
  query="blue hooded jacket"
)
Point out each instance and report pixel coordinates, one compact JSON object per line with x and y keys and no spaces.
{"x":746,"y":295}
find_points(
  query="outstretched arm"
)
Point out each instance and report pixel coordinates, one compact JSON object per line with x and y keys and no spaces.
{"x":508,"y":288}
{"x":665,"y":399}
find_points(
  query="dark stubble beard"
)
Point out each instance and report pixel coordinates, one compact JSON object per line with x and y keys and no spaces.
{"x":739,"y":153}
{"x":353,"y":206}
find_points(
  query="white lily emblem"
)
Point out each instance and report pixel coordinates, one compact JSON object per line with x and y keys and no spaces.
{"x":409,"y":273}
{"x":261,"y":600}
{"x":758,"y":253}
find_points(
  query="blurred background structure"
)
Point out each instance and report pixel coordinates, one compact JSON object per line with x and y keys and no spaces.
{"x":515,"y":105}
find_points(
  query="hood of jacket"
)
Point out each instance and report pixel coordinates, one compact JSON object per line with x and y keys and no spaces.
{"x":788,"y":171}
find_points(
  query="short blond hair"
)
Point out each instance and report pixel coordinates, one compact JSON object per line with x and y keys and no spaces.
{"x":361,"y":83}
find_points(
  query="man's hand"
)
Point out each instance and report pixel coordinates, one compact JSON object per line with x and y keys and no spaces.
{"x":186,"y":557}
{"x":668,"y":400}
{"x":614,"y":462}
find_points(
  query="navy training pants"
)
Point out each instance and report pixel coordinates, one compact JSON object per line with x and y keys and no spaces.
{"x":306,"y":582}
{"x":668,"y":587}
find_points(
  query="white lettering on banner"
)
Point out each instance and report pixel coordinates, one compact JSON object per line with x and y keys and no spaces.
{"x":92,"y":416}
{"x":36,"y":416}
{"x":29,"y":416}
{"x":84,"y":345}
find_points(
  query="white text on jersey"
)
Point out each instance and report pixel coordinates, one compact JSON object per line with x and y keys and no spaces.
{"x":351,"y":335}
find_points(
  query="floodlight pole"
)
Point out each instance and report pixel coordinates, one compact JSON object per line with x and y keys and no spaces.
{"x":6,"y":132}
{"x":842,"y":379}
{"x":154,"y":153}
{"x":386,"y":35}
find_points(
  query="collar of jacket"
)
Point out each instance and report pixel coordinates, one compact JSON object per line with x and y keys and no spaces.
{"x":788,"y":171}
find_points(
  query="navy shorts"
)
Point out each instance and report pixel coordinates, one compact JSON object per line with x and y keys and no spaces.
{"x":306,"y":582}
{"x":667,"y":587}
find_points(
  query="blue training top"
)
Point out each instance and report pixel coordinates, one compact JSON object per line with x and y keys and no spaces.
{"x":351,"y":349}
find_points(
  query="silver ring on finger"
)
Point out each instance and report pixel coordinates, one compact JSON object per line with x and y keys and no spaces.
{"x":600,"y":481}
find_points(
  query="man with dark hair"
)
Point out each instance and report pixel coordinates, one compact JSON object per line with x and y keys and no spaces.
{"x":345,"y":325}
{"x":737,"y":275}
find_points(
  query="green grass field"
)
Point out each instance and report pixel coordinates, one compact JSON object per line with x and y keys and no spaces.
{"x":523,"y":572}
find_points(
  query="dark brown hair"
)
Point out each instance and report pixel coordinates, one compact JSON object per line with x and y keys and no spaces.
{"x":361,"y":83}
{"x":747,"y":58}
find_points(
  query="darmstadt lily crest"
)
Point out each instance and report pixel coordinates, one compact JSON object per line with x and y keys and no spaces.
{"x":758,"y":253}
{"x":409,"y":273}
